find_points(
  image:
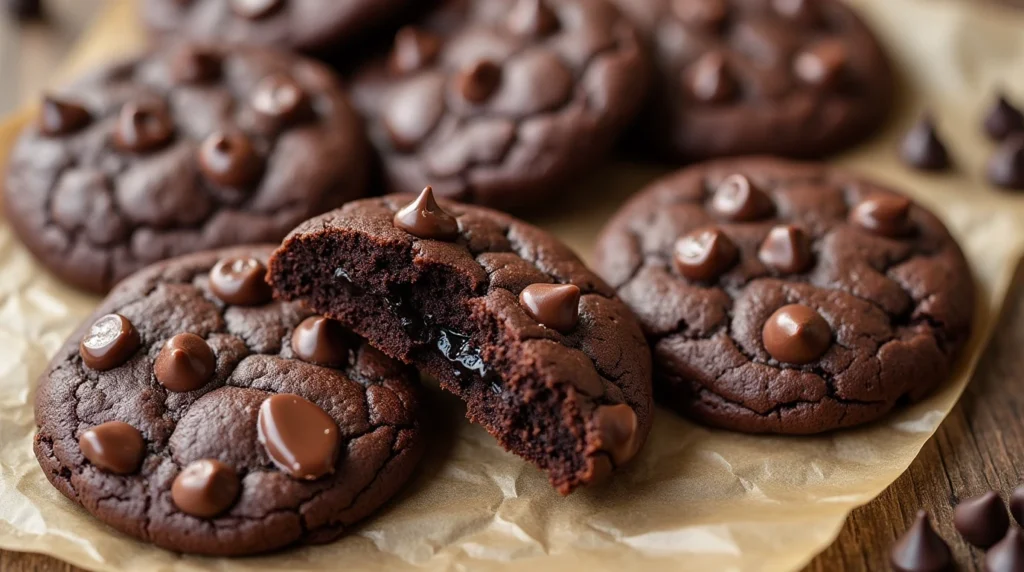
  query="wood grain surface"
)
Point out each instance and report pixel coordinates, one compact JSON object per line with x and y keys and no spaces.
{"x":980,"y":446}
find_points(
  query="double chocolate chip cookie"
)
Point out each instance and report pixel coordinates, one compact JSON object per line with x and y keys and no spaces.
{"x":788,"y":297}
{"x":501,"y":102}
{"x":544,"y":354}
{"x":190,"y":147}
{"x":786,"y":77}
{"x":194,"y":412}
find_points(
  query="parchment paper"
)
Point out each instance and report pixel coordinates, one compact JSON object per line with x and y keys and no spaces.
{"x":695,"y":499}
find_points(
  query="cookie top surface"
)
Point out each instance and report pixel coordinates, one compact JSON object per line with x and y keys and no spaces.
{"x":788,"y":297}
{"x":498,"y":102}
{"x":548,"y":359}
{"x":798,"y":78}
{"x":208,"y":427}
{"x":187,"y":148}
{"x":306,"y":25}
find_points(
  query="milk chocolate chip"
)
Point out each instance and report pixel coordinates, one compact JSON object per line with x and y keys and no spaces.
{"x":886,"y":215}
{"x":787,"y":250}
{"x":241,"y":281}
{"x":617,"y":427}
{"x":110,"y":342}
{"x":321,"y":341}
{"x":553,"y":305}
{"x":205,"y":488}
{"x":796,"y":334}
{"x":705,"y":254}
{"x":300,"y":437}
{"x":185,"y":363}
{"x":424,"y":218}
{"x":114,"y":447}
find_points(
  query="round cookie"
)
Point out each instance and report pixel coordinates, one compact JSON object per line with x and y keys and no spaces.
{"x":800,"y":78}
{"x":784,"y":297}
{"x":208,"y":427}
{"x":305,"y":25}
{"x":187,"y":148}
{"x":502,"y":102}
{"x":504,"y":315}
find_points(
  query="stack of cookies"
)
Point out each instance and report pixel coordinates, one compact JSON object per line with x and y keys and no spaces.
{"x":285,"y":247}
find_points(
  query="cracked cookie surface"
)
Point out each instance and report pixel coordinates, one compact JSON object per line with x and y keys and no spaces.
{"x":206,"y":427}
{"x":504,"y":315}
{"x":502,"y":102}
{"x":190,"y":147}
{"x":788,"y":297}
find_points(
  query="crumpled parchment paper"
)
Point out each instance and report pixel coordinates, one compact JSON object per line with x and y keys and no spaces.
{"x":695,"y":499}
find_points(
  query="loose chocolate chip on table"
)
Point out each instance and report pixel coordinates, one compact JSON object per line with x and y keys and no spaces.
{"x":1017,"y":504}
{"x":796,"y":334}
{"x":61,"y":116}
{"x":1003,"y":119}
{"x":114,"y":446}
{"x":321,"y":341}
{"x":787,"y":250}
{"x":921,"y":147}
{"x":205,"y":488}
{"x":424,"y":218}
{"x":229,"y":160}
{"x":110,"y":342}
{"x":185,"y":363}
{"x":1008,"y":554}
{"x":886,"y":215}
{"x":737,"y":198}
{"x":300,"y":437}
{"x":241,"y":281}
{"x":1006,"y":167}
{"x":982,"y":520}
{"x":920,"y":549}
{"x":553,"y":305}
{"x":705,"y":254}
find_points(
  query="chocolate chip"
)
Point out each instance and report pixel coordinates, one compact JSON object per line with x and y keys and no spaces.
{"x":532,"y":18}
{"x":142,"y":127}
{"x":185,"y":363}
{"x":1017,"y":504}
{"x":617,"y":429}
{"x":114,"y":446}
{"x":981,"y":520}
{"x":556,"y":306}
{"x":921,"y":147}
{"x":1008,"y":554}
{"x":414,"y":49}
{"x":796,"y":334}
{"x":255,"y":9}
{"x":280,"y":101}
{"x":110,"y":342}
{"x":191,"y":64}
{"x":61,"y":116}
{"x":709,"y":79}
{"x":205,"y":488}
{"x":787,"y":250}
{"x":821,"y":65}
{"x":241,"y":281}
{"x":920,"y":549}
{"x":1006,"y":167}
{"x":705,"y":254}
{"x":24,"y":10}
{"x":737,"y":198}
{"x":229,"y":160}
{"x":797,"y":11}
{"x":321,"y":341}
{"x":710,"y":14}
{"x":300,"y":437}
{"x":479,"y":81}
{"x":886,"y":215}
{"x":424,"y":218}
{"x":1003,"y":120}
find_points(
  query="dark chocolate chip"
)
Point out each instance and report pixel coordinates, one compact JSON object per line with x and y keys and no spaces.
{"x":24,"y":10}
{"x":61,"y":117}
{"x":556,"y":306}
{"x":982,"y":520}
{"x":299,"y":436}
{"x":280,"y":101}
{"x":921,"y":147}
{"x":705,"y":254}
{"x":205,"y":488}
{"x":737,"y":198}
{"x":617,"y":428}
{"x":479,"y":81}
{"x":114,"y":446}
{"x":886,"y":215}
{"x":787,"y":250}
{"x":1017,"y":504}
{"x":414,"y":49}
{"x":1006,"y":167}
{"x":424,"y":218}
{"x":1008,"y":554}
{"x":920,"y":549}
{"x":822,"y":65}
{"x":255,"y":9}
{"x":710,"y":14}
{"x":110,"y":342}
{"x":185,"y":363}
{"x":1003,"y":120}
{"x":230,"y":160}
{"x":191,"y":64}
{"x":241,"y":281}
{"x":532,"y":18}
{"x":796,"y":334}
{"x":321,"y":341}
{"x":709,"y":79}
{"x":143,"y":127}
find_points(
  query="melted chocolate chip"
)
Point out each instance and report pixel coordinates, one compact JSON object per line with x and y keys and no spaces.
{"x":705,"y":254}
{"x":737,"y":198}
{"x":532,"y":18}
{"x":921,"y":147}
{"x":822,"y":65}
{"x":710,"y":14}
{"x":920,"y":549}
{"x":280,"y":101}
{"x":424,"y":218}
{"x":1006,"y":167}
{"x":191,"y":64}
{"x":709,"y":79}
{"x":1003,"y":120}
{"x":143,"y":127}
{"x":62,"y":117}
{"x":321,"y":341}
{"x":982,"y":520}
{"x":205,"y":488}
{"x":110,"y":342}
{"x":787,"y":250}
{"x":796,"y":334}
{"x":300,"y":437}
{"x":1008,"y":554}
{"x":479,"y":81}
{"x":114,"y":447}
{"x":229,"y":160}
{"x":185,"y":363}
{"x":241,"y":281}
{"x":617,"y":428}
{"x":1017,"y":504}
{"x":414,"y":49}
{"x":886,"y":215}
{"x":553,"y":305}
{"x":255,"y":9}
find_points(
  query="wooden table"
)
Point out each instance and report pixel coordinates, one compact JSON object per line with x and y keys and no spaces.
{"x":980,"y":446}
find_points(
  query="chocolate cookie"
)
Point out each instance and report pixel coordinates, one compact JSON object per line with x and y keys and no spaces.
{"x":194,"y":412}
{"x":785,"y":297}
{"x":786,"y":77}
{"x":187,"y":148}
{"x":505,"y":316}
{"x":501,"y":102}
